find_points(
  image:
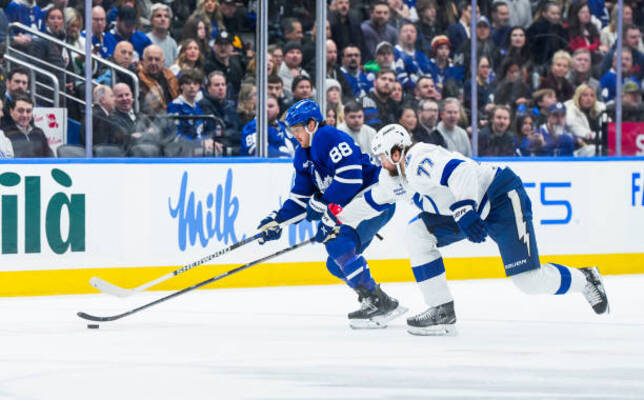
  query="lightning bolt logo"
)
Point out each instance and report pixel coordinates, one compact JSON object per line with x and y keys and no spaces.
{"x":522,"y":228}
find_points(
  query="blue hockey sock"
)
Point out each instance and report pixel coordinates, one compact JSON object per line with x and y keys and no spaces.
{"x":357,"y":273}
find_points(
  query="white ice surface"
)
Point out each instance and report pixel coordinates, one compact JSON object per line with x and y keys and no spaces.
{"x":295,"y":343}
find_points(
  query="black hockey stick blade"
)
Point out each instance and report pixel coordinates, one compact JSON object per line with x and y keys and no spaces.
{"x":90,"y":317}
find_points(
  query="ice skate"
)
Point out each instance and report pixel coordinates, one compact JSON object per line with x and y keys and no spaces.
{"x":435,"y":321}
{"x":594,"y":291}
{"x":376,"y":309}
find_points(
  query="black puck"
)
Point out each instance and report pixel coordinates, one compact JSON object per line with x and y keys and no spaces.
{"x":92,"y":326}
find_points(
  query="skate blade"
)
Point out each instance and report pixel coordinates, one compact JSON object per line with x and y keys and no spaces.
{"x":379,"y":322}
{"x":435,"y":330}
{"x":599,"y":277}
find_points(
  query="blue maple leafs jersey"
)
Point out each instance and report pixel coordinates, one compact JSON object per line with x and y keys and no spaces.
{"x":333,"y":166}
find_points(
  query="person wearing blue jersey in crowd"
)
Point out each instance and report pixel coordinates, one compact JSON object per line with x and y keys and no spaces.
{"x":192,"y":130}
{"x":410,"y":63}
{"x":552,"y":138}
{"x":28,"y":13}
{"x":358,"y":81}
{"x":125,"y":29}
{"x":330,"y":170}
{"x":280,"y":142}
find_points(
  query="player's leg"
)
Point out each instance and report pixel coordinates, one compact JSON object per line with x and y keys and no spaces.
{"x":510,"y":225}
{"x":428,"y":268}
{"x":377,"y":308}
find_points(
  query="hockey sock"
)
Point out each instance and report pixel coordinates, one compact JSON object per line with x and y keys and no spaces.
{"x":335,"y":269}
{"x":357,"y":273}
{"x":550,"y":279}
{"x":432,"y":282}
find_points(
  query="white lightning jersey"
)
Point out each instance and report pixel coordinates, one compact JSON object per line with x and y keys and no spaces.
{"x":432,"y":170}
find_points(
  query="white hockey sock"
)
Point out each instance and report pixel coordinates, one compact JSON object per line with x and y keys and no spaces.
{"x":435,"y":290}
{"x":550,"y":279}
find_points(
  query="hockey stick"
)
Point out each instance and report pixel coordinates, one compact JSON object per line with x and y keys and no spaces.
{"x":118,"y":291}
{"x":193,"y":287}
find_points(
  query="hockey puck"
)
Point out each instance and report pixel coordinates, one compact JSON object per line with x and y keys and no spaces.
{"x":92,"y":326}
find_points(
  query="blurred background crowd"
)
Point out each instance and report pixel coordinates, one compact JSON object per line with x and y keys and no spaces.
{"x":179,"y":77}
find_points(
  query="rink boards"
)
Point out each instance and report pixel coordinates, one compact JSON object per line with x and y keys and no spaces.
{"x":130,"y":221}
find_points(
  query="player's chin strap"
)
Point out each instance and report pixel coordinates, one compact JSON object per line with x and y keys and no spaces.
{"x":397,"y":164}
{"x":306,"y":128}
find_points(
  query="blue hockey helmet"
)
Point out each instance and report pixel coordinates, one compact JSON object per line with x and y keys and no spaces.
{"x":303,"y":111}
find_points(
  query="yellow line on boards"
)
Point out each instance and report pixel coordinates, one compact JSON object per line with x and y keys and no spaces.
{"x":76,"y":281}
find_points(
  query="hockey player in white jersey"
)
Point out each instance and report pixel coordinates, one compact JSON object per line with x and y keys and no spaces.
{"x":459,"y":199}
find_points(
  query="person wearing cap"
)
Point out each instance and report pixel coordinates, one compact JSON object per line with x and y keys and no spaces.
{"x":334,"y":99}
{"x":441,"y":65}
{"x":125,"y":29}
{"x":484,"y":46}
{"x":224,"y":59}
{"x":345,"y":26}
{"x":358,"y":81}
{"x":235,"y":20}
{"x":632,"y":105}
{"x":291,"y":66}
{"x":160,"y":34}
{"x":410,"y":63}
{"x":377,"y":29}
{"x":384,"y":60}
{"x":552,"y":138}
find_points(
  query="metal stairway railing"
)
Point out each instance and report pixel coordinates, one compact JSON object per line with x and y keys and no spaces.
{"x":23,"y":58}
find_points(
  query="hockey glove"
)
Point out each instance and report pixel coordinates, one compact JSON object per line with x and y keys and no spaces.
{"x":469,"y":221}
{"x":269,"y":228}
{"x":315,"y":208}
{"x":329,"y":227}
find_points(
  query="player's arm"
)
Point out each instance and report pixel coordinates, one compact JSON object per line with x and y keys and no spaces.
{"x":293,"y":207}
{"x":373,"y":201}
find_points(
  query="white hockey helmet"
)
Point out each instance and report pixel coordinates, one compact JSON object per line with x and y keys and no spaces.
{"x":389,"y":137}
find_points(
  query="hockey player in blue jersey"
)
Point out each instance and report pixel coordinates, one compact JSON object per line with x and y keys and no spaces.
{"x":460,"y":198}
{"x":330,"y":171}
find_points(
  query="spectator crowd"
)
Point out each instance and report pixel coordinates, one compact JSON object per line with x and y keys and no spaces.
{"x":545,"y":73}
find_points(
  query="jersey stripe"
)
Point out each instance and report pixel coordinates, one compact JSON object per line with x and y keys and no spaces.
{"x":369,"y":198}
{"x":348,"y":168}
{"x":348,"y":181}
{"x":449,"y":168}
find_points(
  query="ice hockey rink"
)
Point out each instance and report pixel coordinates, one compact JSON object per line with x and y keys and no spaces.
{"x":295,"y":343}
